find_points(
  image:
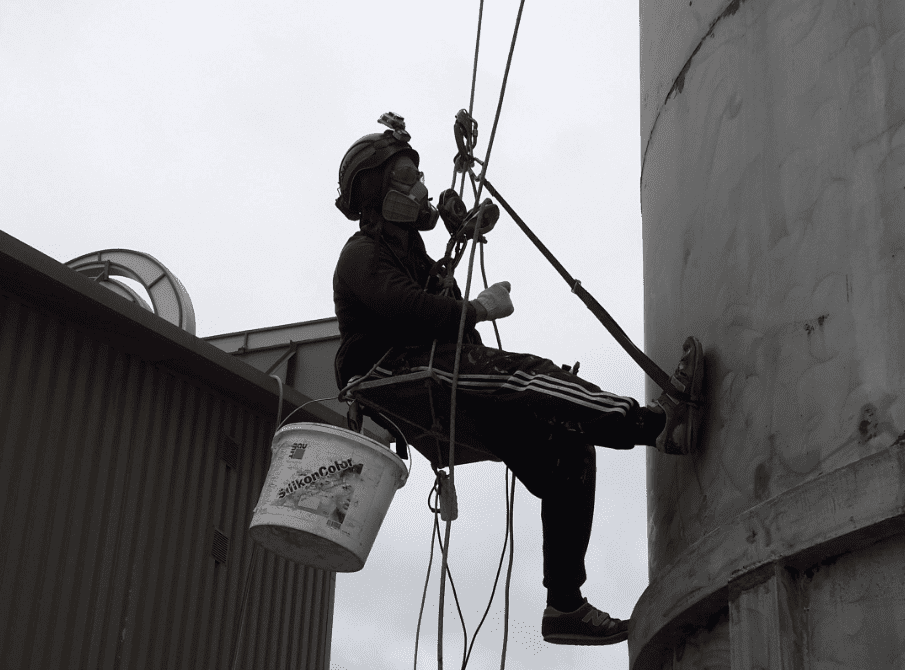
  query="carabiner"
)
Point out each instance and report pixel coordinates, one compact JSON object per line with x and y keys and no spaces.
{"x":465,"y":130}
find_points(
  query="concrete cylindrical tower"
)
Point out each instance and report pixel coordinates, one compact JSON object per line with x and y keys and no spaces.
{"x":773,"y":203}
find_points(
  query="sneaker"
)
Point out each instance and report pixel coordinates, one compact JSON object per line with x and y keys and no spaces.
{"x":683,"y":419}
{"x":585,"y":626}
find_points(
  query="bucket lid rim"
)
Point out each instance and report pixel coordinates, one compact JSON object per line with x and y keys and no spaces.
{"x":339,"y":430}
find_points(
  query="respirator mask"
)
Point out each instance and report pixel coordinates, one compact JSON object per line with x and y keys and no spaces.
{"x":406,"y":200}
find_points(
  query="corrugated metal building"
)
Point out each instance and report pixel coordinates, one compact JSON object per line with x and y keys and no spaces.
{"x":131,"y":457}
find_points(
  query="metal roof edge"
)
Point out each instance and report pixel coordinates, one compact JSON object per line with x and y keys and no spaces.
{"x":284,"y":326}
{"x":261,"y":339}
{"x":28,"y":274}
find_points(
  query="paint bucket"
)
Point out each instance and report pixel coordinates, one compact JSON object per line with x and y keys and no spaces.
{"x":325,"y":496}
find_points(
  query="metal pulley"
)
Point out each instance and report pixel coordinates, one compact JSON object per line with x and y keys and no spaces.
{"x":460,"y":221}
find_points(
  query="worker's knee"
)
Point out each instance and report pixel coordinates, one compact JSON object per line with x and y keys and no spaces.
{"x":551,"y":464}
{"x":576,"y":465}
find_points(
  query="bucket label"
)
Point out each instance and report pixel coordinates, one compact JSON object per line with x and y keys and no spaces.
{"x":318,"y":481}
{"x":298,"y":450}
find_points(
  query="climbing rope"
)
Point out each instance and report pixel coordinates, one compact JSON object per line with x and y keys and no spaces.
{"x":499,"y":107}
{"x":496,"y":330}
{"x":452,"y":435}
{"x":477,"y":49}
{"x":444,"y":487}
{"x":436,"y":509}
{"x":510,"y":526}
{"x":654,"y":371}
{"x":447,"y":496}
{"x":507,"y":543}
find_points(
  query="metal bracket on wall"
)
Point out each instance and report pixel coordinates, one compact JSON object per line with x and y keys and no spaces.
{"x":220,"y":547}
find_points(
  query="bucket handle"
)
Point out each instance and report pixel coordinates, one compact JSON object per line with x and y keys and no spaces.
{"x":280,"y":406}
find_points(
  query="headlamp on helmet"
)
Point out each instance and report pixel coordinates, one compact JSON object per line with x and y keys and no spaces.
{"x":395,"y":123}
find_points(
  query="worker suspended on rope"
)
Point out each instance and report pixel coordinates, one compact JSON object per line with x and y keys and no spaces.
{"x":541,"y":420}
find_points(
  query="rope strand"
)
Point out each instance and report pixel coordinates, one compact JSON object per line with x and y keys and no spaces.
{"x":452,"y":419}
{"x":499,"y":107}
{"x":455,"y":595}
{"x":452,"y":432}
{"x":496,"y":331}
{"x":654,"y":371}
{"x":474,"y":81}
{"x":451,"y":462}
{"x":499,"y":569}
{"x":511,"y":526}
{"x":430,"y":563}
{"x":477,"y":48}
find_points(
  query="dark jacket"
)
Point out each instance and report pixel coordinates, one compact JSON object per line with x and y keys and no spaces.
{"x":381,"y":302}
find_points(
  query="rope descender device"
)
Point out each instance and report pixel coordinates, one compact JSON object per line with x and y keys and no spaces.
{"x":460,"y":221}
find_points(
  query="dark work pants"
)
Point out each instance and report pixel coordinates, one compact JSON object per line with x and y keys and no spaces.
{"x":542,"y":422}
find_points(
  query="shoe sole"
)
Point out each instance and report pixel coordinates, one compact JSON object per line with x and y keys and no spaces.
{"x":585,"y":641}
{"x":694,"y":412}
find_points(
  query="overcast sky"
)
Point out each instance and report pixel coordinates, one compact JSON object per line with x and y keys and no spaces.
{"x":209,"y":135}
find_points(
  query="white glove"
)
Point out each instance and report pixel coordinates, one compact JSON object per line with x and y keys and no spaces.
{"x":495,"y":301}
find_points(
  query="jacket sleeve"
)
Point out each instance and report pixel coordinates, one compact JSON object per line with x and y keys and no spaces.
{"x":393,"y":297}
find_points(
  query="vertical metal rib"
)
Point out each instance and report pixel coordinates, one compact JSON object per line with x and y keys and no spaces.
{"x":111,"y":486}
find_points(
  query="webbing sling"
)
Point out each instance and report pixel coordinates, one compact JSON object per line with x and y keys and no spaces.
{"x":652,"y":369}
